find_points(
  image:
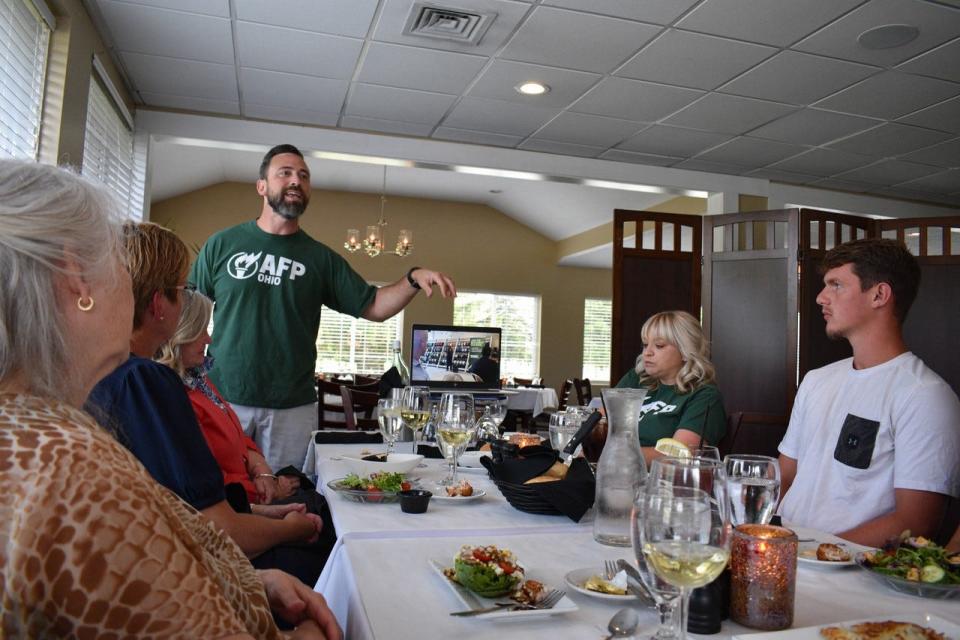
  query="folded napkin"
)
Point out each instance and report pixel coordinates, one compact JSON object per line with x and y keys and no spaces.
{"x":572,"y":496}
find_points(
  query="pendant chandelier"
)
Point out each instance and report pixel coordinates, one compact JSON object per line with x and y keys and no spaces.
{"x":372,"y":242}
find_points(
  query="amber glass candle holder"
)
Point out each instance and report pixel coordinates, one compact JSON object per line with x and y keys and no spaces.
{"x":763,"y":576}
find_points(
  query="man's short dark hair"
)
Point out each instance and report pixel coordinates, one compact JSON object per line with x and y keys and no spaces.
{"x":485,"y":352}
{"x":879,"y":260}
{"x":276,"y":151}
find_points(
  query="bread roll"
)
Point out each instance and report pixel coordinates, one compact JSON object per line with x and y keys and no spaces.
{"x":540,"y":479}
{"x":558,"y":470}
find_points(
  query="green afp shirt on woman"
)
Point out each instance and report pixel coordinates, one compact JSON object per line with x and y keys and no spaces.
{"x":665,"y":410}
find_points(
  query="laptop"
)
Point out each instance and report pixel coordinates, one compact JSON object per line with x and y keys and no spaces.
{"x":455,"y":358}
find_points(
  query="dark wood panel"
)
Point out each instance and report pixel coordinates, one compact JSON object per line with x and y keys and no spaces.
{"x":932,"y":329}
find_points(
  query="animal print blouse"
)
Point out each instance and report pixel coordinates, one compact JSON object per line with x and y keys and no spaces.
{"x":92,"y":547}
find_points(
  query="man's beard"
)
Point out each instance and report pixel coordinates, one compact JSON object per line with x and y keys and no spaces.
{"x":288,"y":210}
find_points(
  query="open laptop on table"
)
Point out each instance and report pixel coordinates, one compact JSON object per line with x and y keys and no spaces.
{"x":456,"y":358}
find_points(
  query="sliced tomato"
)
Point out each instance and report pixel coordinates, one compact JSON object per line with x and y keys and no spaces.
{"x":507,"y":567}
{"x":405,"y":486}
{"x":481,"y":555}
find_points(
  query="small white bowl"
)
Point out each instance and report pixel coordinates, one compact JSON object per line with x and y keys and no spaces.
{"x":471,"y":459}
{"x":396,"y":463}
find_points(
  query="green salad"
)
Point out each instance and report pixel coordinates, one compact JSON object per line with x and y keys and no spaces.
{"x":391,"y":482}
{"x":918,"y":560}
{"x":487,"y":571}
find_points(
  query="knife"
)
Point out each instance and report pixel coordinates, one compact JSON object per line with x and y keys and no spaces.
{"x":634,"y":577}
{"x":585,"y":428}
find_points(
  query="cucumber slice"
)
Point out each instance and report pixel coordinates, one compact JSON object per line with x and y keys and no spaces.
{"x":932,"y":573}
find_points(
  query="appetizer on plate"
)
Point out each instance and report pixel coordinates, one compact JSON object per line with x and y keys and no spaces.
{"x":616,"y":586}
{"x":462,"y":490}
{"x":487,"y":571}
{"x":886,"y":630}
{"x":375,"y":482}
{"x":916,"y":560}
{"x":829,"y":552}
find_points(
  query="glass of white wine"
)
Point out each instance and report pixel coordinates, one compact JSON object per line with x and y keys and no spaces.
{"x":388,"y":415}
{"x":753,"y":483}
{"x":682,"y":525}
{"x":454,"y":432}
{"x":415,"y":410}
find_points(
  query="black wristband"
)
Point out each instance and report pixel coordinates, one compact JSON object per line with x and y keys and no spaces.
{"x":413,"y":283}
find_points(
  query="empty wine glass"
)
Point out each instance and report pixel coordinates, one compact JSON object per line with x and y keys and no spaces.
{"x":388,"y":415}
{"x":753,"y":483}
{"x":706,"y":451}
{"x":415,"y":410}
{"x":487,"y":428}
{"x":498,"y":410}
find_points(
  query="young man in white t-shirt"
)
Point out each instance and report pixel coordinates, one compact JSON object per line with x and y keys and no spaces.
{"x":874,"y":440}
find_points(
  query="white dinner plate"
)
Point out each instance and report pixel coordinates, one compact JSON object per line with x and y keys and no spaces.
{"x":470,"y":600}
{"x":576,"y":578}
{"x":807,"y":554}
{"x":947,"y":628}
{"x":477,"y":495}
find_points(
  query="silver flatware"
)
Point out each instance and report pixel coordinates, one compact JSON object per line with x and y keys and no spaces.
{"x":623,"y":623}
{"x":635,"y":583}
{"x":548,"y":601}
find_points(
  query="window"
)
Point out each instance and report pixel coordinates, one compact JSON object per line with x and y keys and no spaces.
{"x":517,"y":316}
{"x":352,"y":345}
{"x":24,"y":43}
{"x":110,"y":154}
{"x":596,"y":339}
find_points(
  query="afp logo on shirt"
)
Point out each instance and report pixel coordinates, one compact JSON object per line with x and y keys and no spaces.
{"x":266,"y":267}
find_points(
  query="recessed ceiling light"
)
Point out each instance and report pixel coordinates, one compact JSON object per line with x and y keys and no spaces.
{"x":888,"y":36}
{"x":532,"y":88}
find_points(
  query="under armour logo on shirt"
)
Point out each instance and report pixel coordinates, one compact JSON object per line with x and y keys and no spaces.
{"x":852,"y":441}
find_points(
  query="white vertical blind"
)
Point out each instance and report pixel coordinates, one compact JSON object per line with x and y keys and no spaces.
{"x":24,"y":45}
{"x":519,"y":319}
{"x":352,"y":345}
{"x":596,"y":339}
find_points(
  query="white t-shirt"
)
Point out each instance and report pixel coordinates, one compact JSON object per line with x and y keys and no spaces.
{"x":859,"y":434}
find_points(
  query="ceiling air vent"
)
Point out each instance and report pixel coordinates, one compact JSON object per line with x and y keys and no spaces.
{"x":443,"y":23}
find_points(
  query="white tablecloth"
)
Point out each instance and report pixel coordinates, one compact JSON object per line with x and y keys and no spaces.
{"x":534,"y":400}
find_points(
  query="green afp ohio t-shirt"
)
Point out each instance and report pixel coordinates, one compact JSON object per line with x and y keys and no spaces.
{"x":665,"y":410}
{"x":268,"y":291}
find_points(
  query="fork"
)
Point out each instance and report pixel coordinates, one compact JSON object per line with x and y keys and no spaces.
{"x":548,"y":601}
{"x":611,"y":569}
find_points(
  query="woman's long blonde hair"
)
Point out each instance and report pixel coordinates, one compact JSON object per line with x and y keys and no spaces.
{"x":194,"y":318}
{"x":682,"y":330}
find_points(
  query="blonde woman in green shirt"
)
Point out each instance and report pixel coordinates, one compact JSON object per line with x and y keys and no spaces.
{"x":682,"y":400}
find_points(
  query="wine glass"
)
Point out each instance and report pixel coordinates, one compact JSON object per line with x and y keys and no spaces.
{"x":415,"y":410}
{"x":677,"y":557}
{"x":753,"y":483}
{"x":498,"y":410}
{"x":455,"y":429}
{"x":388,"y":415}
{"x":706,"y":451}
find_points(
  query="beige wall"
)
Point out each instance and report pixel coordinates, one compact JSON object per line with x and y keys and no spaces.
{"x":482,"y":249}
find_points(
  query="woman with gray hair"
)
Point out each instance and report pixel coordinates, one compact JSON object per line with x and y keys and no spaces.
{"x":682,"y":402}
{"x":92,"y":545}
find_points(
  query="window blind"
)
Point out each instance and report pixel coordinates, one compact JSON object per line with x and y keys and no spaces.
{"x":352,"y":345}
{"x":24,"y":45}
{"x":596,"y":339}
{"x":519,"y":318}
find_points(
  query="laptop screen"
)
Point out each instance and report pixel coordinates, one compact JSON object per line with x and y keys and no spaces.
{"x":449,"y":356}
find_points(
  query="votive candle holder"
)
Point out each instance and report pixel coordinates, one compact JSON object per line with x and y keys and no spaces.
{"x":763,"y":576}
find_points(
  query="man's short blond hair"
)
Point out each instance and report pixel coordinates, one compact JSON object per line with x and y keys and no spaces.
{"x":157,"y":260}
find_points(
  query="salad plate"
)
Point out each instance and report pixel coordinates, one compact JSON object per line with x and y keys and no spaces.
{"x":575,"y":580}
{"x":470,"y":600}
{"x":352,"y":493}
{"x":911,"y":587}
{"x":938,"y":624}
{"x":477,"y":495}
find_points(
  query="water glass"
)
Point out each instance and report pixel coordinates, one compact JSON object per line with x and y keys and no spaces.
{"x":753,"y":483}
{"x":388,"y":415}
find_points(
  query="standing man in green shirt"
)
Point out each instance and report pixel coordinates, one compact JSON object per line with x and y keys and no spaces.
{"x":269,"y":279}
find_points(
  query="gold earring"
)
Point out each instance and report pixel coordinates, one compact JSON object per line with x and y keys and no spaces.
{"x":82,"y":306}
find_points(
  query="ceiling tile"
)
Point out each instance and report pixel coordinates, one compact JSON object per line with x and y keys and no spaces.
{"x":656,"y":11}
{"x":798,"y":78}
{"x":500,"y":78}
{"x":710,"y":167}
{"x":672,"y":141}
{"x":393,"y":17}
{"x":172,"y":76}
{"x":386,"y":126}
{"x":287,"y":114}
{"x":888,"y":172}
{"x":941,"y":155}
{"x":776,"y":23}
{"x":338,"y":17}
{"x":562,"y":148}
{"x":676,"y":57}
{"x":890,"y":94}
{"x":160,"y":32}
{"x":497,"y":116}
{"x":943,"y":182}
{"x":939,"y":63}
{"x":750,"y":152}
{"x":582,"y":129}
{"x":292,"y":91}
{"x":619,"y":155}
{"x":729,"y":114}
{"x":417,"y":68}
{"x":634,"y":100}
{"x":476,"y":137}
{"x":569,"y":39}
{"x":190,"y":103}
{"x":776,"y":175}
{"x":329,"y":56}
{"x":936,"y":23}
{"x":890,"y":139}
{"x":843,"y":185}
{"x":219,"y":8}
{"x":813,"y":126}
{"x":401,"y":105}
{"x":944,"y":116}
{"x":823,"y":162}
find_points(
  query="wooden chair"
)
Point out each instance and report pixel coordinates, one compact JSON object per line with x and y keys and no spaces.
{"x":359,"y":408}
{"x":563,"y":394}
{"x":753,"y":433}
{"x":523,"y":382}
{"x":584,"y":391}
{"x":330,"y":414}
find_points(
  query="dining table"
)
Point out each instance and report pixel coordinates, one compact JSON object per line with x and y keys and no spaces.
{"x":382,"y":580}
{"x":531,"y":399}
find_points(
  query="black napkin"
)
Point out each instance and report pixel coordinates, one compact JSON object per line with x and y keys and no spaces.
{"x":572,"y":496}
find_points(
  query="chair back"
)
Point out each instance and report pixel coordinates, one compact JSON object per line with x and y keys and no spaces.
{"x":523,"y":382}
{"x":584,"y":391}
{"x":753,"y":433}
{"x":563,"y":394}
{"x":330,"y":414}
{"x":358,"y":409}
